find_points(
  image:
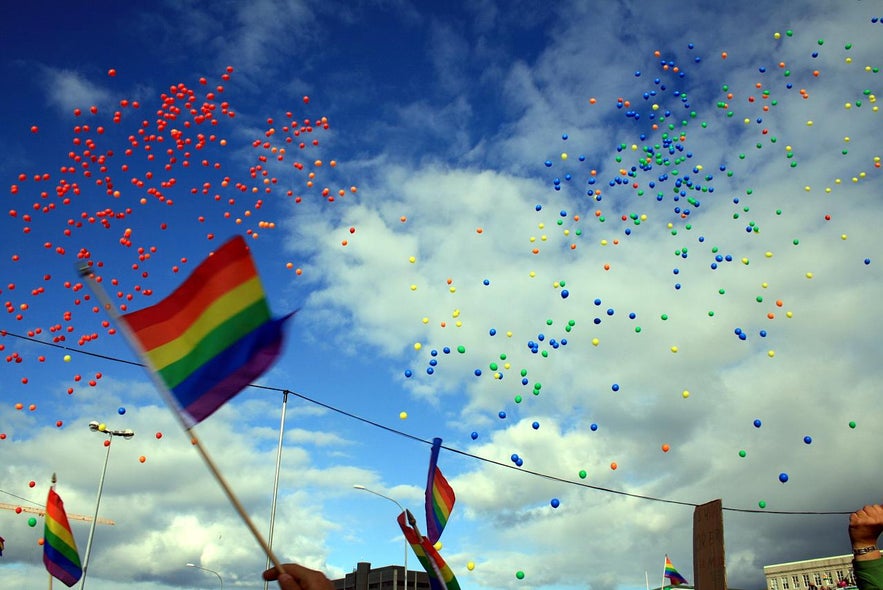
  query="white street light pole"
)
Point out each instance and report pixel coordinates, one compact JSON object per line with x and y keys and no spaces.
{"x":364,"y":489}
{"x":205,"y":569}
{"x":128,"y":433}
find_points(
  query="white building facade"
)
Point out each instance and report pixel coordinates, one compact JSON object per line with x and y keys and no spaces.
{"x":824,"y":573}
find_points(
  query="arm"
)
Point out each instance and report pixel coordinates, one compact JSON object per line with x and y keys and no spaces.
{"x":865,"y":526}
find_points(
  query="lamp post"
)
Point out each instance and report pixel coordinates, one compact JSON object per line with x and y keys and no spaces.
{"x":205,"y":569}
{"x":128,"y":433}
{"x":364,"y":489}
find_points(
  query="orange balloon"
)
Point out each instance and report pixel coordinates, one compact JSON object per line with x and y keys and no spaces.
{"x":613,"y":466}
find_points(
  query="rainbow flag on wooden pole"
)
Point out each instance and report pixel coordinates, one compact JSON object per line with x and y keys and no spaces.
{"x":669,"y":571}
{"x":59,"y":548}
{"x":441,"y":577}
{"x":439,"y":495}
{"x":205,"y":343}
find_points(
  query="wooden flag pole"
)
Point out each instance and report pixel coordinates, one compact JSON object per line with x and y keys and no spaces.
{"x":86,"y":273}
{"x":236,"y":503}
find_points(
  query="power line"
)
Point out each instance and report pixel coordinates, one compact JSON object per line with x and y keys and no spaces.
{"x":447,"y":448}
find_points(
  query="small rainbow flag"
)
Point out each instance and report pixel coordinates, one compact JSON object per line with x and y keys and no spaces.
{"x":672,"y":574}
{"x":59,"y":548}
{"x":440,"y":496}
{"x":212,"y":336}
{"x":440,"y":575}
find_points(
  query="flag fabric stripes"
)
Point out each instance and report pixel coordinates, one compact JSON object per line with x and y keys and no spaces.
{"x":212,"y":336}
{"x":59,"y":548}
{"x":672,"y":574}
{"x":2,"y":545}
{"x":440,"y":497}
{"x":440,"y":575}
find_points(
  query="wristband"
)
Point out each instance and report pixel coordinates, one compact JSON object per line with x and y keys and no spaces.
{"x":863,"y":550}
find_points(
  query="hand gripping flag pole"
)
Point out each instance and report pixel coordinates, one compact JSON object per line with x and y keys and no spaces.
{"x":264,"y":350}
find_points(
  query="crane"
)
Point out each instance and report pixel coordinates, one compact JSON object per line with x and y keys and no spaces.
{"x":42,"y":511}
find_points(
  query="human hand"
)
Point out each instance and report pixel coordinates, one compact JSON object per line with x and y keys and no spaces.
{"x":865,"y":526}
{"x":298,"y":577}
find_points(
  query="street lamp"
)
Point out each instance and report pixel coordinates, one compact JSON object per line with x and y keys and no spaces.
{"x":205,"y":569}
{"x":102,"y":428}
{"x":364,"y":489}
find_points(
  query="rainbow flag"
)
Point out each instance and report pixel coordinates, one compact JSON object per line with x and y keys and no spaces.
{"x":440,"y":575}
{"x":440,"y":497}
{"x":672,"y":574}
{"x":59,"y":548}
{"x":212,"y":336}
{"x":2,"y":545}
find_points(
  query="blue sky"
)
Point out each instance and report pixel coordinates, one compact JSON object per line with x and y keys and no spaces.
{"x":645,"y":228}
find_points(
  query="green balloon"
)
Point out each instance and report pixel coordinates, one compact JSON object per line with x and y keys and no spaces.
{"x":32,"y":522}
{"x":519,"y":574}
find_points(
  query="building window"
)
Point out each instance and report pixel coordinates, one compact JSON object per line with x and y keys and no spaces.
{"x":774,"y":584}
{"x":784,"y":582}
{"x":818,"y":578}
{"x":806,"y":580}
{"x":796,"y":579}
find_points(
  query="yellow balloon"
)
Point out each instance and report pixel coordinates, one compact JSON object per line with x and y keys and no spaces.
{"x":67,"y":358}
{"x":403,"y":415}
{"x":470,"y":565}
{"x":438,"y":545}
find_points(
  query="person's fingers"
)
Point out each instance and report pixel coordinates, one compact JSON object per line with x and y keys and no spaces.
{"x":286,"y":582}
{"x":298,"y":577}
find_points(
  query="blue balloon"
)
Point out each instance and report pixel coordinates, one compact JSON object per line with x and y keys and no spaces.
{"x":408,"y":373}
{"x":807,"y":439}
{"x":555,"y":503}
{"x":474,"y":435}
{"x":502,"y":415}
{"x":121,"y":411}
{"x":594,"y":427}
{"x":565,"y":293}
{"x":757,"y":423}
{"x":536,"y":425}
{"x":783,"y":477}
